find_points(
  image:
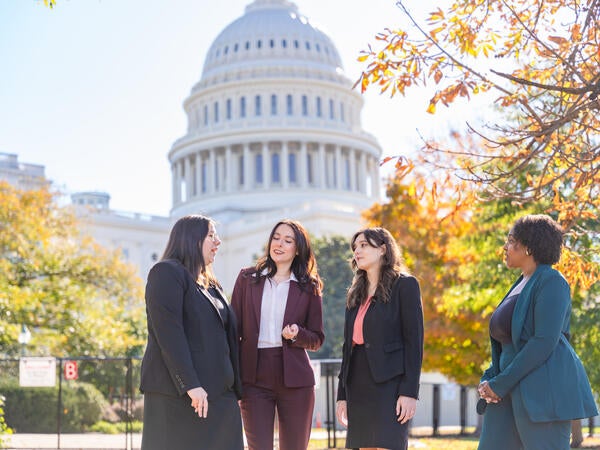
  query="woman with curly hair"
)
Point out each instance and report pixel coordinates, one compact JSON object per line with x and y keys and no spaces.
{"x":535,"y":384}
{"x":383,"y":345}
{"x":279,"y":308}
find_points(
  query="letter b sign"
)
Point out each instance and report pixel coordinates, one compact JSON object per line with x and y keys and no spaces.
{"x":70,"y":370}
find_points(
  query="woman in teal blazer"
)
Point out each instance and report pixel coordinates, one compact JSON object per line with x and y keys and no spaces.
{"x":535,"y":384}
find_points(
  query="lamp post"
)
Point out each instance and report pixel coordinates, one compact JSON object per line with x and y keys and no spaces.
{"x":24,"y":338}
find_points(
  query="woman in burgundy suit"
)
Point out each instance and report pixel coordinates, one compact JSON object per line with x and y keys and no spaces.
{"x":279,"y":309}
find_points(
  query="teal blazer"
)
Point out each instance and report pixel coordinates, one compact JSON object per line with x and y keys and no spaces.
{"x":544,"y":371}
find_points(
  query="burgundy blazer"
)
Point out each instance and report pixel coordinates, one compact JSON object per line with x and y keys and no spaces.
{"x":303,"y":308}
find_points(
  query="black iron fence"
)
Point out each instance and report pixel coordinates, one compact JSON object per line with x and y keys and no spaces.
{"x":101,"y":395}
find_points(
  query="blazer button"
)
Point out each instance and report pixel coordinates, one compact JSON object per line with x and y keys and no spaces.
{"x":367,"y":345}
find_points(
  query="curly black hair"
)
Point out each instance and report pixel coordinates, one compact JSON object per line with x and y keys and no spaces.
{"x":541,"y":235}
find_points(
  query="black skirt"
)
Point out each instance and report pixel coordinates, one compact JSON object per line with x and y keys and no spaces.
{"x":372,"y":420}
{"x":170,"y":423}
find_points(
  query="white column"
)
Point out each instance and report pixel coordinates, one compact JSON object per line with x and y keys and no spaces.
{"x":188,"y":178}
{"x":362,"y":178}
{"x":285,"y":169}
{"x":174,"y":183}
{"x":303,"y":165}
{"x":198,"y":173}
{"x":266,"y":165}
{"x":248,"y":163}
{"x":229,"y":170}
{"x":339,"y":168}
{"x":210,"y":172}
{"x":180,"y":174}
{"x":352,"y":156}
{"x":321,"y":167}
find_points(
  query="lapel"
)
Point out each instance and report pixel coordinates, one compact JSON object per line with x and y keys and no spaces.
{"x":522,"y":306}
{"x":256,"y":291}
{"x":211,"y":300}
{"x":293,"y":301}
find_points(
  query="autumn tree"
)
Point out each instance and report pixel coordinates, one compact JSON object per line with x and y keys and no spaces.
{"x":76,"y":297}
{"x":538,"y":61}
{"x":452,"y":241}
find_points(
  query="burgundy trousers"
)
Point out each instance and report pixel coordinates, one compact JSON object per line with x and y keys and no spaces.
{"x":260,"y":401}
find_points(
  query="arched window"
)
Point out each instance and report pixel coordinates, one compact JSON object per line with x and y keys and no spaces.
{"x":273,"y":105}
{"x":247,"y":45}
{"x":292,"y":168}
{"x":275,"y":169}
{"x":272,"y":43}
{"x":304,"y":105}
{"x":289,"y":105}
{"x":258,"y":168}
{"x":205,"y":114}
{"x":331,"y":109}
{"x":342,"y":115}
{"x":257,"y":106}
{"x":243,"y":107}
{"x":319,"y":108}
{"x":228,"y":109}
{"x":216,"y":108}
{"x":258,"y":44}
{"x":284,"y":43}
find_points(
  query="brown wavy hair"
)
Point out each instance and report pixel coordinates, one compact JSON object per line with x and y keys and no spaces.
{"x":304,"y":264}
{"x":392,"y":266}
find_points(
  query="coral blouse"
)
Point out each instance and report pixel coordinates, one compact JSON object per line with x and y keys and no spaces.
{"x":357,"y":332}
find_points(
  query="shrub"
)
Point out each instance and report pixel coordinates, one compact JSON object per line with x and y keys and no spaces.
{"x":3,"y":427}
{"x":35,"y":409}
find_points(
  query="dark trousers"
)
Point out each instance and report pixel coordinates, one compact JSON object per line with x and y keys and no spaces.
{"x":259,"y":401}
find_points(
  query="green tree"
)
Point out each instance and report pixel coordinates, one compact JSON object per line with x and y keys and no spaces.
{"x":76,"y":297}
{"x":333,"y":255}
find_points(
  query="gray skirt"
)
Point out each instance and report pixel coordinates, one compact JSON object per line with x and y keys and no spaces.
{"x":170,"y":423}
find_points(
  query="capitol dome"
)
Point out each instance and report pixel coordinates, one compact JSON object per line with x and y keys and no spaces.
{"x":274,"y":131}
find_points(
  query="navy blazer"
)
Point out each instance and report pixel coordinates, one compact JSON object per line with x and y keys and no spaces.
{"x":303,"y":308}
{"x":393,"y":334}
{"x":188,"y":344}
{"x":545,"y":371}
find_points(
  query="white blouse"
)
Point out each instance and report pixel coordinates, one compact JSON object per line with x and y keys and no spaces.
{"x":272,"y":310}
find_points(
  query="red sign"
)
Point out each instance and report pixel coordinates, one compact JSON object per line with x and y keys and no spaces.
{"x":70,"y":370}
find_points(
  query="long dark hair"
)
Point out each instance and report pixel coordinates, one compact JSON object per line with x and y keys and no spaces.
{"x":304,"y":264}
{"x":392,"y":265}
{"x":185,"y":245}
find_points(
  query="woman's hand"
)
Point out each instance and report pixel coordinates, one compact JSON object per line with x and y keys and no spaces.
{"x":486,"y":393}
{"x":341,"y":412}
{"x":405,"y":408}
{"x":199,"y":401}
{"x":290,"y":332}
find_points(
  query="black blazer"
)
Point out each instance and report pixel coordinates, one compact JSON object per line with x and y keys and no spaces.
{"x":393,"y":334}
{"x":188,"y":344}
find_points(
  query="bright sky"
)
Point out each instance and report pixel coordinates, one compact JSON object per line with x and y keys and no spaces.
{"x":93,"y":89}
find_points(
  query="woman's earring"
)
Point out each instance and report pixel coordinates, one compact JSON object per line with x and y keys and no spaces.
{"x":528,"y":252}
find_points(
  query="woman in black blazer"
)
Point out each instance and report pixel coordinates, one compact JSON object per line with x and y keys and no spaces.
{"x":190,"y":376}
{"x":383,"y":345}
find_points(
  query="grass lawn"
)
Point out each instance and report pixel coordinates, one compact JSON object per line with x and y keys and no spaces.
{"x":448,"y":443}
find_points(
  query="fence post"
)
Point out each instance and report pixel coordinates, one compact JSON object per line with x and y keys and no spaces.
{"x":463,"y":410}
{"x":436,"y":409}
{"x":59,"y":403}
{"x":330,"y":408}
